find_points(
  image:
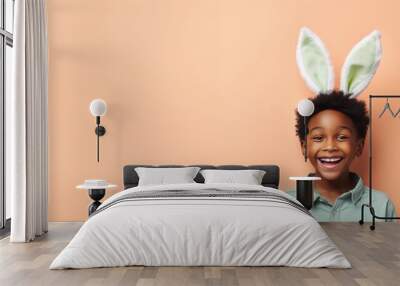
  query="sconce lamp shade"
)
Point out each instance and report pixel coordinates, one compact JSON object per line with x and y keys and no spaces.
{"x":305,"y":107}
{"x":98,"y":107}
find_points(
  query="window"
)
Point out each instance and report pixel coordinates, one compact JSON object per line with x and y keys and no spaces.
{"x":6,"y":44}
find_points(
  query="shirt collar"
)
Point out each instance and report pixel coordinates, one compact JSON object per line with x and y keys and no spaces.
{"x":317,"y":197}
{"x":358,"y":190}
{"x":355,"y":193}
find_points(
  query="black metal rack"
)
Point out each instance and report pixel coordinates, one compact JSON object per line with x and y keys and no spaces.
{"x":369,"y":205}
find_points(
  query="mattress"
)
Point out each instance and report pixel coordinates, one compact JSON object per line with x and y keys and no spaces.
{"x":201,"y":225}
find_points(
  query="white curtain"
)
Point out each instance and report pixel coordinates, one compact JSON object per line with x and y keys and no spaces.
{"x":26,"y":123}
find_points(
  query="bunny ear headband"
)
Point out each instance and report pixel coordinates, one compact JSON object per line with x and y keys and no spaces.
{"x":357,"y":71}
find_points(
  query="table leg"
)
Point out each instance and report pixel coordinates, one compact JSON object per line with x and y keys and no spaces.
{"x":304,"y":193}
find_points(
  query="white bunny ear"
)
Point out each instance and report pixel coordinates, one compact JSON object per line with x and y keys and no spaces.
{"x":314,"y":63}
{"x":361,"y":64}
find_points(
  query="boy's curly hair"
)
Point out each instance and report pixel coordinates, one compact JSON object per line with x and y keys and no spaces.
{"x":337,"y":100}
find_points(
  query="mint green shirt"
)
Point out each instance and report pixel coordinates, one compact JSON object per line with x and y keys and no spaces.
{"x":348,"y":205}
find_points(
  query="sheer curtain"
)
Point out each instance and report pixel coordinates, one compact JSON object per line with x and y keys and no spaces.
{"x":27,"y":123}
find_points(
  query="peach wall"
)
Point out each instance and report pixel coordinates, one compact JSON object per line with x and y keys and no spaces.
{"x":190,"y":81}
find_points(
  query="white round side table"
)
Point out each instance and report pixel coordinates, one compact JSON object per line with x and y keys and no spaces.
{"x":96,"y":193}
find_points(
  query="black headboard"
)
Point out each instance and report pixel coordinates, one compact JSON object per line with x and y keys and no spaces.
{"x":270,"y":179}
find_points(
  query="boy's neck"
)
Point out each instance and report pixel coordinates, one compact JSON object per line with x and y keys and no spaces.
{"x":331,"y":190}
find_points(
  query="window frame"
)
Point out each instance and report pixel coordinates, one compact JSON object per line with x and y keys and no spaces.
{"x":6,"y":39}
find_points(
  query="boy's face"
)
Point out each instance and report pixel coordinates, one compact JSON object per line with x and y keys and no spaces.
{"x":332,"y":143}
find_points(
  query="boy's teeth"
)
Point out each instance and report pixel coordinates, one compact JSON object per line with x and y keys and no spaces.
{"x":330,"y":160}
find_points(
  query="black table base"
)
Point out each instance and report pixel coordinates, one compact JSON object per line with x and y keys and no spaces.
{"x":96,"y":195}
{"x":304,"y":193}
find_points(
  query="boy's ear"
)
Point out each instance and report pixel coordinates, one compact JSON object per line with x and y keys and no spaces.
{"x":359,"y":147}
{"x":302,"y":146}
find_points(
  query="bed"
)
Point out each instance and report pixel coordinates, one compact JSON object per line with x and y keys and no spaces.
{"x":201,"y":224}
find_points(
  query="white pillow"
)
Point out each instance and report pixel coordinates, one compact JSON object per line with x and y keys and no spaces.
{"x":249,"y":177}
{"x":164,"y":176}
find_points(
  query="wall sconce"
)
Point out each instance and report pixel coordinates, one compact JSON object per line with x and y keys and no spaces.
{"x":98,"y":108}
{"x":305,"y":107}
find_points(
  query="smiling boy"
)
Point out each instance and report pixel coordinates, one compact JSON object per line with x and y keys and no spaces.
{"x":337,"y":127}
{"x":335,"y":137}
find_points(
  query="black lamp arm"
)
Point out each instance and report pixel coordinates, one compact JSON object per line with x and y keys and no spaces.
{"x":305,"y":138}
{"x":100,"y":131}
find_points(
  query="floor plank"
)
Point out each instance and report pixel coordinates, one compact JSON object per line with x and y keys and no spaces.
{"x":374,"y":255}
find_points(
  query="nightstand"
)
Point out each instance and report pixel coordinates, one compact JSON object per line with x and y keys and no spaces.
{"x":304,"y":190}
{"x":96,"y":193}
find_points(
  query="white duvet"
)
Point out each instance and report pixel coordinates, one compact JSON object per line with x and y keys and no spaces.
{"x":200,"y":231}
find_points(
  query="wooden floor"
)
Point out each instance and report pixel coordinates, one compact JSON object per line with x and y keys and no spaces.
{"x":374,"y":255}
